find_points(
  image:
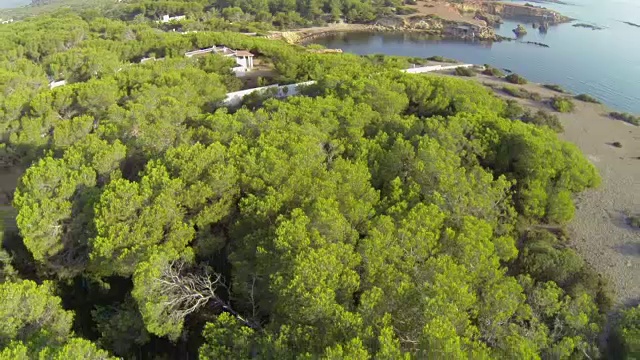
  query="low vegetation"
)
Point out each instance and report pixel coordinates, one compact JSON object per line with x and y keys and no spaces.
{"x":441,"y":59}
{"x":492,"y":71}
{"x":521,"y":93}
{"x":515,"y":111}
{"x":556,"y":88}
{"x":465,"y":72}
{"x":543,"y":118}
{"x":634,"y":221}
{"x":562,"y":104}
{"x":587,"y":98}
{"x":626,"y":117}
{"x":624,"y":339}
{"x":405,"y":10}
{"x":516,"y":79}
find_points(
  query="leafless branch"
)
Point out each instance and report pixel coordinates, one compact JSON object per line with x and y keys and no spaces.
{"x":186,"y":292}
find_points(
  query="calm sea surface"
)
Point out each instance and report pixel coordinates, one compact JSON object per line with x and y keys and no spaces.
{"x":603,"y":63}
{"x":7,"y":4}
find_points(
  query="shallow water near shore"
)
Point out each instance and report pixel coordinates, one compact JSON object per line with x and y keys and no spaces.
{"x":603,"y":63}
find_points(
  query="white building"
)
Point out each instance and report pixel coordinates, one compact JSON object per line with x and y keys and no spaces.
{"x":167,"y":18}
{"x":243,"y":58}
{"x":55,"y":84}
{"x":6,"y":21}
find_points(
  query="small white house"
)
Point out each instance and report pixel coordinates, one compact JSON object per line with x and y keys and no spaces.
{"x":6,"y":21}
{"x":244,"y":59}
{"x":167,"y":18}
{"x":55,"y":84}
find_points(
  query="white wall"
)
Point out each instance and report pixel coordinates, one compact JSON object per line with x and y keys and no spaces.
{"x":242,"y":61}
{"x":431,"y":68}
{"x":235,"y":98}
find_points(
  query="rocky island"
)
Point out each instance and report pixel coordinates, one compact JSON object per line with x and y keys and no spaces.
{"x":588,"y":26}
{"x":520,"y":30}
{"x":631,"y":24}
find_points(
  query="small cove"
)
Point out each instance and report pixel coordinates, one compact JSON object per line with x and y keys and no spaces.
{"x":603,"y":63}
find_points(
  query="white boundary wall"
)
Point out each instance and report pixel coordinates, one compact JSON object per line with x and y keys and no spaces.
{"x":424,"y":69}
{"x":235,"y":98}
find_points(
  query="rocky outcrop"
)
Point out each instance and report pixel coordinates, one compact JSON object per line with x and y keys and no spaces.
{"x":437,"y":26}
{"x":517,"y":11}
{"x":520,"y":30}
{"x":491,"y":20}
{"x":431,"y":25}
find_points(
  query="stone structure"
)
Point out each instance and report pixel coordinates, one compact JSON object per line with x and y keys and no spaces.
{"x":167,"y":18}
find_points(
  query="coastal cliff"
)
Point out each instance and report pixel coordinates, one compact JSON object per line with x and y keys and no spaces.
{"x":535,"y":13}
{"x":427,"y":24}
{"x":436,"y":26}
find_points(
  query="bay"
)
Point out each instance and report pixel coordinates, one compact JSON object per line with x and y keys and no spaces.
{"x":603,"y":63}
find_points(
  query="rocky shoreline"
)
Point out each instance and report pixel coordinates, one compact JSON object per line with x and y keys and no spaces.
{"x":488,"y":15}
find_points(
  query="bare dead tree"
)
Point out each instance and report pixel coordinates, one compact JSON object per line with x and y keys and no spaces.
{"x":186,"y":292}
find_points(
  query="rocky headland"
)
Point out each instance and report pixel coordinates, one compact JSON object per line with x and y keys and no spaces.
{"x":467,"y":21}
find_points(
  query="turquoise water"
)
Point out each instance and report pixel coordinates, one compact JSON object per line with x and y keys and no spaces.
{"x":603,"y":63}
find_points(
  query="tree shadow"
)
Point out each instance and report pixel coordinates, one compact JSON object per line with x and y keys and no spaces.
{"x":629,"y":249}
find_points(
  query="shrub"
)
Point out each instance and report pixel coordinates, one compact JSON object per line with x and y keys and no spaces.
{"x":556,"y":88}
{"x":624,"y":340}
{"x":442,"y":59}
{"x":628,"y":118}
{"x":513,"y":91}
{"x":545,"y":258}
{"x":634,"y":221}
{"x":465,"y":72}
{"x":405,"y":10}
{"x":543,"y":118}
{"x":521,"y":93}
{"x":491,"y":71}
{"x":617,"y":144}
{"x":562,"y":104}
{"x":513,"y":110}
{"x":516,"y":79}
{"x":587,"y":98}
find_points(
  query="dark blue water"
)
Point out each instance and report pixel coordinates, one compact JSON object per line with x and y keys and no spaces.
{"x":603,"y":63}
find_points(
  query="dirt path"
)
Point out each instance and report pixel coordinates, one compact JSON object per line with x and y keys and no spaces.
{"x":599,"y":231}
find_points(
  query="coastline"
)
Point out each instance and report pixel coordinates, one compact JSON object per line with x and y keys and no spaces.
{"x":450,"y":21}
{"x":599,"y":230}
{"x":306,"y":35}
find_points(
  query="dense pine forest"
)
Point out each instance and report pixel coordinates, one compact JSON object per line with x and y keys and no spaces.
{"x":377,"y":215}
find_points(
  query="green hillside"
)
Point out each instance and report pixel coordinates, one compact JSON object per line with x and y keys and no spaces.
{"x":376,"y":214}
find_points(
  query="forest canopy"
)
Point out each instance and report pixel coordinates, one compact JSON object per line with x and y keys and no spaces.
{"x":376,"y":215}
